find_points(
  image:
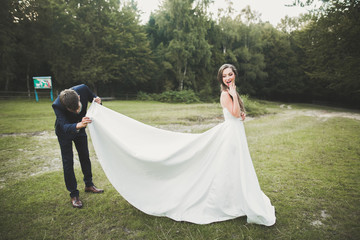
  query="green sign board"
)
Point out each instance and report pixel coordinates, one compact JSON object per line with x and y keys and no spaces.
{"x":42,"y":83}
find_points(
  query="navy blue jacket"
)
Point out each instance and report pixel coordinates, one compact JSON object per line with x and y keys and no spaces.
{"x":65,"y":124}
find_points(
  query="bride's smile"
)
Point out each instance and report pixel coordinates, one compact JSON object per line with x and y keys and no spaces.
{"x":228,"y":76}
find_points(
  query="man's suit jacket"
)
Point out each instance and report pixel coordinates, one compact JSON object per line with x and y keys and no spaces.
{"x":65,"y":124}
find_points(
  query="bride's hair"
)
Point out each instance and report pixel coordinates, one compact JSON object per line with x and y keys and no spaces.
{"x":224,"y":87}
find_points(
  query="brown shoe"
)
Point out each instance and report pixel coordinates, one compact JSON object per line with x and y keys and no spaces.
{"x":76,"y":202}
{"x":93,"y":189}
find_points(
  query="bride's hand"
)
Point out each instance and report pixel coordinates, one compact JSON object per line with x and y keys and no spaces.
{"x":243,"y":115}
{"x":232,"y":89}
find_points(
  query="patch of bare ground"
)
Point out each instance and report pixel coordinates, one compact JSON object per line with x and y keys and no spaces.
{"x":319,"y":222}
{"x":196,"y":127}
{"x":30,"y":134}
{"x":327,"y":114}
{"x":44,"y":156}
{"x":321,"y":114}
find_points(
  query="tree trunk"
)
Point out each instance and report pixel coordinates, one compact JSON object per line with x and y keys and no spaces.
{"x":28,"y":79}
{"x":182,"y":78}
{"x":7,"y":82}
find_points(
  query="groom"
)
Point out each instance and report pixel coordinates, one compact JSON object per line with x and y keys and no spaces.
{"x":70,"y":109}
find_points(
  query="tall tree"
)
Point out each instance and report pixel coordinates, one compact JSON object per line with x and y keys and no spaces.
{"x":332,"y":50}
{"x":131,"y":64}
{"x":286,"y":79}
{"x":7,"y":45}
{"x":248,"y":52}
{"x":30,"y":26}
{"x":183,"y":27}
{"x":100,"y":43}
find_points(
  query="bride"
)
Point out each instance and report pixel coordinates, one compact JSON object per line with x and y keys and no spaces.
{"x":198,"y":178}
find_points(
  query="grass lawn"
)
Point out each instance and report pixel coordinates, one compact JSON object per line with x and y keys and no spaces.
{"x":307,"y":162}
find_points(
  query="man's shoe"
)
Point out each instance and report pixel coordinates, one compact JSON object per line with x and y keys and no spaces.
{"x":75,"y":201}
{"x":93,"y":189}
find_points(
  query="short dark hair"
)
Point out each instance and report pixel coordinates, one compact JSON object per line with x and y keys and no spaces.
{"x":69,"y":99}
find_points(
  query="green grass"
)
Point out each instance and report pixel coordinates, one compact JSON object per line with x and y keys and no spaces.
{"x":28,"y":116}
{"x":18,"y":116}
{"x":308,"y":166}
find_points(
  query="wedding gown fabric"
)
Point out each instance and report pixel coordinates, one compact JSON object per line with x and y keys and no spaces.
{"x":198,"y":178}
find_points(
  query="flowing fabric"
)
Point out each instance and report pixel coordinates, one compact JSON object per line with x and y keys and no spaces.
{"x":198,"y":178}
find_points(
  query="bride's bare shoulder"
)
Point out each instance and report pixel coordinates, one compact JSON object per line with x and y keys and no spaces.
{"x":225,"y":95}
{"x":225,"y":99}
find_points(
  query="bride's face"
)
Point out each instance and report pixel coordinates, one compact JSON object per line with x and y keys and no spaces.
{"x":228,"y":76}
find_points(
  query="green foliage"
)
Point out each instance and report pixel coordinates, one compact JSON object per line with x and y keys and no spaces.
{"x":285,"y":80}
{"x":181,"y":38}
{"x":142,"y":96}
{"x":101,"y":43}
{"x":252,"y":107}
{"x":185,"y":96}
{"x":332,"y":52}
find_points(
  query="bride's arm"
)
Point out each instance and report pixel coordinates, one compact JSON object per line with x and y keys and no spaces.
{"x":231,"y":104}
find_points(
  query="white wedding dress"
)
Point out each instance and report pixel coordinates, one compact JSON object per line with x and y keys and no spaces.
{"x":198,"y":178}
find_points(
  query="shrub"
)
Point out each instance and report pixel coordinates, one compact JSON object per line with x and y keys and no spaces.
{"x":185,"y":96}
{"x":143,"y":96}
{"x":252,"y":107}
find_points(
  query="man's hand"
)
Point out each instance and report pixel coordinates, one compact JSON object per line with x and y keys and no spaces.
{"x":84,"y":122}
{"x":97,"y":100}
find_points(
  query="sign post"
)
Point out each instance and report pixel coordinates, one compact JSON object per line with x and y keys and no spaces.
{"x":43,"y":83}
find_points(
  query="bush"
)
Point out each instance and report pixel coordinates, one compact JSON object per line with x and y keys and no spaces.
{"x":143,"y":96}
{"x":252,"y":107}
{"x":185,"y":96}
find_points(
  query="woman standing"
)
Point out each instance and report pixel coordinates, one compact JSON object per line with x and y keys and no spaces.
{"x":229,"y":98}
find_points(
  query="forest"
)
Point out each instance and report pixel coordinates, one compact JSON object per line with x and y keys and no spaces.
{"x":311,"y":58}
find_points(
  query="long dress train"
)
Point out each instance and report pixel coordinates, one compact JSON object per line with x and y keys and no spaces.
{"x":198,"y":178}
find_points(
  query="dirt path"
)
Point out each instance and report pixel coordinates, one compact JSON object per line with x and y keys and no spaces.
{"x":327,"y":114}
{"x":323,"y":114}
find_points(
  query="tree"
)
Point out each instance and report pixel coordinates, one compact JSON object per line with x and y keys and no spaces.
{"x":100,"y":43}
{"x":132,"y":62}
{"x":286,"y":79}
{"x":7,"y":46}
{"x":29,"y":28}
{"x":184,"y":30}
{"x":332,"y":49}
{"x":248,"y":52}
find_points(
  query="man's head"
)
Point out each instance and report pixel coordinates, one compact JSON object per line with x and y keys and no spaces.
{"x":70,"y":100}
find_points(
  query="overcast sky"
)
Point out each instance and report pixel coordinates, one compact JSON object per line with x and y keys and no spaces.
{"x":270,"y":10}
